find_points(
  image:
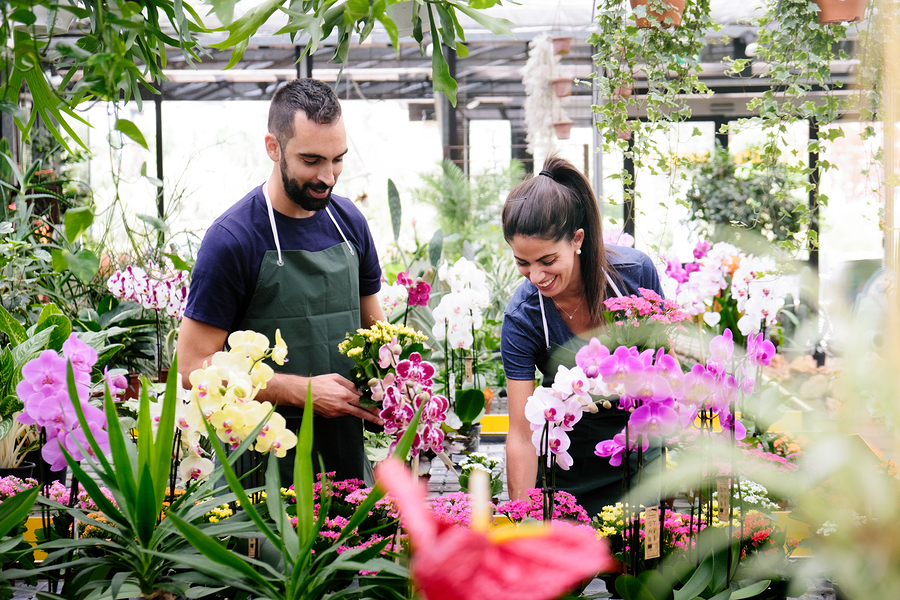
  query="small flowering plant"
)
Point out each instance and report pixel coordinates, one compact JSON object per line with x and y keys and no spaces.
{"x":224,"y":394}
{"x":565,"y":508}
{"x":391,"y":367}
{"x":477,"y":461}
{"x":377,"y":350}
{"x":644,"y":321}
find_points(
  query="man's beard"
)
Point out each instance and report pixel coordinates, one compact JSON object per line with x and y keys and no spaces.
{"x":299,"y":194}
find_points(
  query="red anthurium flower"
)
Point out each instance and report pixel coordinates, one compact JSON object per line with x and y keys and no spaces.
{"x":450,"y":562}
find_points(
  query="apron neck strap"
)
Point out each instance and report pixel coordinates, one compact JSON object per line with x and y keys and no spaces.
{"x":271,"y":211}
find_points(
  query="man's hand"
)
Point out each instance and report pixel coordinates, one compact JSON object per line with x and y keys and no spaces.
{"x":333,"y":395}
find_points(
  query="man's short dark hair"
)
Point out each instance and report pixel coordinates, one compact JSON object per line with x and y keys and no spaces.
{"x":312,"y":96}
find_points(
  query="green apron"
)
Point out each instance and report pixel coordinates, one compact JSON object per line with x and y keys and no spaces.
{"x":591,"y":479}
{"x":313,"y":298}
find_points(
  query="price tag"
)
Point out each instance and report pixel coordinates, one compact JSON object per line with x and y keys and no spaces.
{"x":723,"y":491}
{"x":469,"y":369}
{"x":651,"y":532}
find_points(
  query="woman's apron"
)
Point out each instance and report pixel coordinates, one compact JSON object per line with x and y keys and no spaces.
{"x":313,"y":298}
{"x":591,"y":479}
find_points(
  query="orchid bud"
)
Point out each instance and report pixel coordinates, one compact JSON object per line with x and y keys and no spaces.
{"x":373,"y":382}
{"x":607,"y":404}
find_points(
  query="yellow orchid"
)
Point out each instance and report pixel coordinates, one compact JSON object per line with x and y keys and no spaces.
{"x":249,"y":343}
{"x":261,"y":374}
{"x":279,"y":352}
{"x":205,"y":381}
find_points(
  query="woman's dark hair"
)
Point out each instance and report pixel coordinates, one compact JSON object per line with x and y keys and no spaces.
{"x":312,"y":96}
{"x":553,"y":206}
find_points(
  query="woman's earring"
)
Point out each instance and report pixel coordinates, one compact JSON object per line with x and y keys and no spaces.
{"x":577,"y":250}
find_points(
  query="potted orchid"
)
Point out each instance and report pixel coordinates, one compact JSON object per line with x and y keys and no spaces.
{"x":726,"y":289}
{"x":391,"y":368}
{"x":458,"y":319}
{"x":223,"y":393}
{"x":162,"y":288}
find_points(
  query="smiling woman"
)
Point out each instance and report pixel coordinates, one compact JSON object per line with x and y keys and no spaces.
{"x":552,"y":224}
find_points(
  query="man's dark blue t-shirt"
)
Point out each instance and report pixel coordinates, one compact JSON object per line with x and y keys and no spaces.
{"x":228,"y":263}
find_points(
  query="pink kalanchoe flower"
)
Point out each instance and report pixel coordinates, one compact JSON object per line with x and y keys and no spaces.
{"x":526,"y":563}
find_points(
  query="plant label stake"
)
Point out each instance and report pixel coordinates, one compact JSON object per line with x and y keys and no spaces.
{"x":469,"y":369}
{"x":253,"y":548}
{"x":651,"y":532}
{"x":723,"y":489}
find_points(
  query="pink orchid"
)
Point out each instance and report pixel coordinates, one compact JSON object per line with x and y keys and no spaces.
{"x":760,"y":352}
{"x":526,"y":563}
{"x":654,"y":419}
{"x":589,"y":358}
{"x":614,"y":449}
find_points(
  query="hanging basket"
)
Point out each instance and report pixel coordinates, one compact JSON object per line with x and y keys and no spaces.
{"x":841,"y":11}
{"x":563,"y":129}
{"x":656,"y":17}
{"x":562,"y":86}
{"x":561,"y":45}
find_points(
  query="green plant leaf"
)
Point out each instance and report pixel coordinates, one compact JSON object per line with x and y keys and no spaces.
{"x":131,"y":130}
{"x":155,"y":222}
{"x":13,"y":109}
{"x":751,"y":590}
{"x":436,"y":248}
{"x":77,"y":221}
{"x":698,"y":582}
{"x":84,"y":264}
{"x":394,"y":204}
{"x":14,"y":509}
{"x":12,"y":328}
{"x":303,"y":474}
{"x":469,"y":405}
{"x":214,"y":551}
{"x":52,"y":317}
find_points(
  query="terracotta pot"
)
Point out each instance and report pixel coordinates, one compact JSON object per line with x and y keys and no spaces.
{"x":561,"y":45}
{"x":622,"y":92}
{"x":563,"y":129}
{"x":676,"y":9}
{"x":840,"y":11}
{"x":562,"y":87}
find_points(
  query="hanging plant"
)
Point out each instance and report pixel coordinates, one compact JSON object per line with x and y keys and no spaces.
{"x":659,"y":64}
{"x":799,"y":52}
